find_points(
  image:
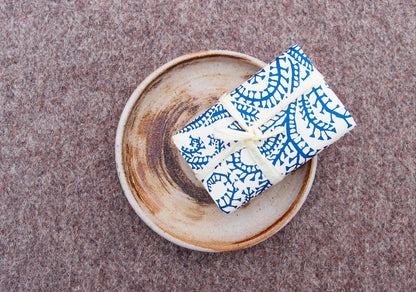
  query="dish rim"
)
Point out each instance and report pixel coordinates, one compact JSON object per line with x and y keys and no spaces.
{"x":270,"y":230}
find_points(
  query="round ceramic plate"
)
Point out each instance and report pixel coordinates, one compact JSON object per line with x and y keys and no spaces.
{"x":159,"y":184}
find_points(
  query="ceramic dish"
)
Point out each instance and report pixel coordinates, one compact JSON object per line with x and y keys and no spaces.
{"x":159,"y":184}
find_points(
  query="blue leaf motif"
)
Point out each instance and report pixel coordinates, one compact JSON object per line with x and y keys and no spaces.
{"x":249,"y":113}
{"x":227,"y":202}
{"x":249,"y":193}
{"x":279,"y":71}
{"x":193,"y":152}
{"x":297,"y":53}
{"x":323,"y":129}
{"x":215,"y":113}
{"x":242,"y":170}
{"x":196,"y":145}
{"x":337,"y":111}
{"x":217,"y":143}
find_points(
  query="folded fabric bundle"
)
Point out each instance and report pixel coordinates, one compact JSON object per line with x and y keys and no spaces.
{"x":266,"y":128}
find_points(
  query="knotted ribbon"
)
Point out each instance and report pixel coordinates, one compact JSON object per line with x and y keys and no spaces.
{"x":252,"y":134}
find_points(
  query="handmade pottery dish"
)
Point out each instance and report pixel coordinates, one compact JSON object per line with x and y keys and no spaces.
{"x":159,"y":184}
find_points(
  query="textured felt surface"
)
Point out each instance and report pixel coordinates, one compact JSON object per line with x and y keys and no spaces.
{"x":67,"y":69}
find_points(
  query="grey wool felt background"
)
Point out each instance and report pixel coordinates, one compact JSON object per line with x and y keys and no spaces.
{"x":67,"y":68}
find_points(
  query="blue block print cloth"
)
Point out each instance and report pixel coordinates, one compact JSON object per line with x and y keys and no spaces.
{"x":266,"y":128}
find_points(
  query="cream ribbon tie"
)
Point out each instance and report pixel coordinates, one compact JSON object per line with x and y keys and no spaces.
{"x":251,"y":134}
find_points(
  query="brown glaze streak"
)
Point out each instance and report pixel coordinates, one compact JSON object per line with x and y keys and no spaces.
{"x":163,"y":158}
{"x":136,"y":172}
{"x":155,"y":129}
{"x":158,"y":171}
{"x":180,"y":179}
